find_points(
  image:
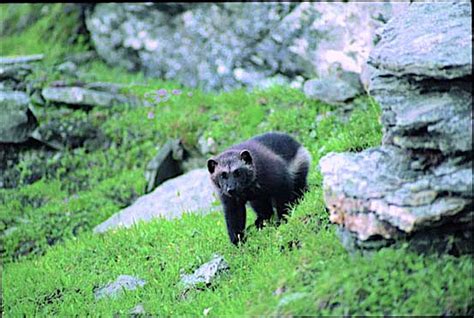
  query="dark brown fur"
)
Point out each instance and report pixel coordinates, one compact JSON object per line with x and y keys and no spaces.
{"x":268,"y":171}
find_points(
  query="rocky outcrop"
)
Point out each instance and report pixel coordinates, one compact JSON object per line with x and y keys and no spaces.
{"x":229,"y":45}
{"x":17,"y":121}
{"x":28,"y":135}
{"x":191,"y":192}
{"x":417,"y":186}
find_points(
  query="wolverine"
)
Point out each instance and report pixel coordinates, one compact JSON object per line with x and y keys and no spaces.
{"x":269,"y":171}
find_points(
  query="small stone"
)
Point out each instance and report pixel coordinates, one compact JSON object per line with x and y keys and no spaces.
{"x":207,"y":145}
{"x":115,"y":288}
{"x":137,"y":310}
{"x":291,"y":298}
{"x":67,"y":68}
{"x":280,"y":290}
{"x":206,"y":273}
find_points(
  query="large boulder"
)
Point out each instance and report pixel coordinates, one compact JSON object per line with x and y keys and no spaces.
{"x":228,"y":45}
{"x":191,"y":192}
{"x":416,"y":187}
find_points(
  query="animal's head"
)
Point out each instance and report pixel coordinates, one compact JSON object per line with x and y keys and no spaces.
{"x":232,"y":171}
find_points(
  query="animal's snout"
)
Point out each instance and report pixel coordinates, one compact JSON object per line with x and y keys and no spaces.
{"x":231,"y":190}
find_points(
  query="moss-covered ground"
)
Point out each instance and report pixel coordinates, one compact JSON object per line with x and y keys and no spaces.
{"x":52,"y":263}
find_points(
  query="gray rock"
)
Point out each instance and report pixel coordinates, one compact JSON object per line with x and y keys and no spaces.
{"x":122,"y":282}
{"x":276,"y":80}
{"x":112,"y":88}
{"x":206,"y":273}
{"x":417,"y":187}
{"x":9,"y":230}
{"x":21,"y":59}
{"x":409,"y":47}
{"x":191,"y":192}
{"x":385,"y":187}
{"x":165,"y":165}
{"x":13,"y":76}
{"x":69,"y":133}
{"x":81,"y":57}
{"x":16,"y":72}
{"x":137,"y":310}
{"x":16,"y":119}
{"x":207,"y":145}
{"x":67,"y":68}
{"x":442,"y":93}
{"x":377,"y":196}
{"x":334,"y":89}
{"x":86,"y":97}
{"x":229,"y":45}
{"x":287,"y":299}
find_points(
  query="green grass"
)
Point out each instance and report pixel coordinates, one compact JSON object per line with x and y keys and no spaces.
{"x":52,"y":263}
{"x":40,"y":31}
{"x":391,"y":282}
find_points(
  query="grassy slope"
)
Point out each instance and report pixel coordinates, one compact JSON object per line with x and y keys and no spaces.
{"x":303,"y":256}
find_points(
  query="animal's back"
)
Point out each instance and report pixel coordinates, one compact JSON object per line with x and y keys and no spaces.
{"x":281,"y":144}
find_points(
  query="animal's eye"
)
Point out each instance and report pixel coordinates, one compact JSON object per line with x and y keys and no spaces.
{"x":224,"y":175}
{"x":236,"y":173}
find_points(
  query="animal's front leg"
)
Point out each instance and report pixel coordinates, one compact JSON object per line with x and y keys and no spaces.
{"x":263,"y":209}
{"x":235,"y":217}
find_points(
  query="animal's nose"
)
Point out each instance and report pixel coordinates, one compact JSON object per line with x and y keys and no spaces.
{"x":231,"y":191}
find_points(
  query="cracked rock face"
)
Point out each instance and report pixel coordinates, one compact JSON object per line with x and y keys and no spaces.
{"x":230,"y":45}
{"x":418,"y":185}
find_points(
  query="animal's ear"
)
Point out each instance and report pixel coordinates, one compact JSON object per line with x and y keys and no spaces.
{"x":246,"y":157}
{"x":211,"y":165}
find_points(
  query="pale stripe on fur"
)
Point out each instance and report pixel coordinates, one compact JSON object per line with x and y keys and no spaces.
{"x":302,"y":157}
